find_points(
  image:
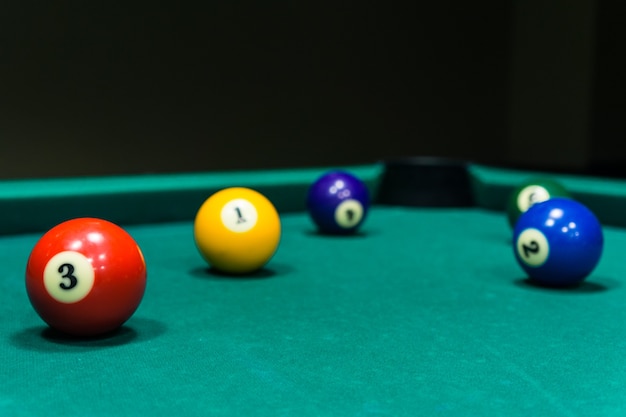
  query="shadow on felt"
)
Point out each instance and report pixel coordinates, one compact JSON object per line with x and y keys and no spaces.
{"x":358,"y":234}
{"x":273,"y":271}
{"x":45,"y":339}
{"x":588,"y":286}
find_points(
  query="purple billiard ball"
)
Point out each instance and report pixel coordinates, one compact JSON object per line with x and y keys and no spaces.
{"x":338,"y":202}
{"x":558,"y":242}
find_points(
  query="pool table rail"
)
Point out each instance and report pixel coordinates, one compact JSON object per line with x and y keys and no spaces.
{"x":35,"y":205}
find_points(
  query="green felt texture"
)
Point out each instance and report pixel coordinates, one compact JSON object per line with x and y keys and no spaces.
{"x":552,"y":187}
{"x":425,"y":313}
{"x":606,"y":197}
{"x":37,"y":205}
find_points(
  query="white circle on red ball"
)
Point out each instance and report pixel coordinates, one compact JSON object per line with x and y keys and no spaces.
{"x":68,"y":277}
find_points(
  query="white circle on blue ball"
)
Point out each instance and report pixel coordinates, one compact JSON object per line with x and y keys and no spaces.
{"x":532,"y":247}
{"x":349,"y":213}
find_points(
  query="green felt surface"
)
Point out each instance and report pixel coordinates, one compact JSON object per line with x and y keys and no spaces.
{"x":606,"y":197}
{"x":425,"y":313}
{"x":38,"y":204}
{"x":35,"y":205}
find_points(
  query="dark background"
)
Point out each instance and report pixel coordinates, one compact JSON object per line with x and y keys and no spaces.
{"x":97,"y":88}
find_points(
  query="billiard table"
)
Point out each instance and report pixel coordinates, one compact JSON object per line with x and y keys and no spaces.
{"x":423,"y":312}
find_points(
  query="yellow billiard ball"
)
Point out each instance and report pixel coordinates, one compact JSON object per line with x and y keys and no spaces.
{"x":237,"y":230}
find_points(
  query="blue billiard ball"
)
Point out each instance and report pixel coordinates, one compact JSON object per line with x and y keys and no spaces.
{"x":338,"y":202}
{"x":558,"y":242}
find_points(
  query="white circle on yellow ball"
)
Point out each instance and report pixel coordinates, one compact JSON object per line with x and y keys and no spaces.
{"x":349,"y":213}
{"x":530,"y":195}
{"x":237,"y":230}
{"x":533,"y":247}
{"x":68,"y":277}
{"x":239,"y":215}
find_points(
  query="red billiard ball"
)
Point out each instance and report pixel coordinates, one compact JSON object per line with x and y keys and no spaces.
{"x":86,"y":277}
